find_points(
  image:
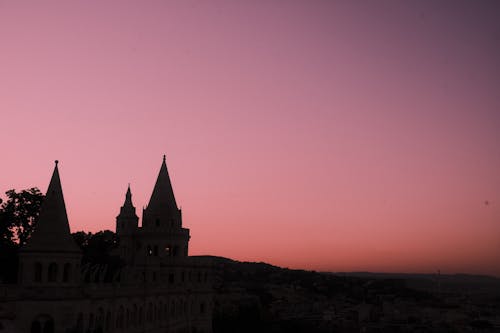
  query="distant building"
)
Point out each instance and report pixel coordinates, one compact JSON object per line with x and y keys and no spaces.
{"x":160,"y":288}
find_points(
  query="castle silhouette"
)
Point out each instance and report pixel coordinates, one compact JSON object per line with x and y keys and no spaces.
{"x":159,"y":289}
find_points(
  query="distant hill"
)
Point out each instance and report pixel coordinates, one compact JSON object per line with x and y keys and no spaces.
{"x":259,"y":297}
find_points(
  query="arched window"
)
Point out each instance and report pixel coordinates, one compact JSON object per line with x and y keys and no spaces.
{"x":149,"y":251}
{"x":168,"y":251}
{"x":176,"y":251}
{"x":107,"y":325}
{"x":149,"y":313}
{"x":48,"y":327}
{"x":127,"y":318}
{"x":38,"y":272}
{"x":202,"y":307}
{"x":91,"y":321}
{"x":36,"y":327}
{"x":155,"y":250}
{"x":79,"y":323}
{"x":134,"y":315}
{"x":178,"y":309}
{"x":119,"y":318}
{"x":42,"y":324}
{"x":66,"y":272}
{"x":141,"y":316}
{"x":52,"y":276}
{"x":100,"y":319}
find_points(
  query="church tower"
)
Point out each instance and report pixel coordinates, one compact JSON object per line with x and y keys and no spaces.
{"x":126,"y":227}
{"x":51,"y":256}
{"x":162,"y":228}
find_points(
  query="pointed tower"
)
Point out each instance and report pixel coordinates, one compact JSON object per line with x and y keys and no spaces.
{"x":162,"y":211}
{"x":162,"y":234}
{"x":127,"y":221}
{"x":51,"y":256}
{"x":126,"y":227}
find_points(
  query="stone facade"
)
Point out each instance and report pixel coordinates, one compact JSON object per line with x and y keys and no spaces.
{"x":159,"y":289}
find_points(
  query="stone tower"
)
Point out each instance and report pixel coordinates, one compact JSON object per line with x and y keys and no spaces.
{"x":162,"y":230}
{"x":51,"y":257}
{"x":127,"y":223}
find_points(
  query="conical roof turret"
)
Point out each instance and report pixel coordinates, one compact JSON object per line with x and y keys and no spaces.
{"x":163,"y":198}
{"x":52,"y":233}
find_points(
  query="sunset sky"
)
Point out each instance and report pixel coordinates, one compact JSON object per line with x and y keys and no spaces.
{"x":325,"y":135}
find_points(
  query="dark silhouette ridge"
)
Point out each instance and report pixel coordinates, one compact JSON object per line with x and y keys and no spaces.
{"x":261,"y":297}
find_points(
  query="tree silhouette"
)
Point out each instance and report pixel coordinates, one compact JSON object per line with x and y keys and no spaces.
{"x":18,"y":215}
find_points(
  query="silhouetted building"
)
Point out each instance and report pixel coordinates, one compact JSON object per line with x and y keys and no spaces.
{"x":159,"y":289}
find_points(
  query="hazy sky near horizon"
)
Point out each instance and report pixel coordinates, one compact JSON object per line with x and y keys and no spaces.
{"x":327,"y":135}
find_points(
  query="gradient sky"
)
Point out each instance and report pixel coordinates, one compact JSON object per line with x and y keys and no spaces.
{"x":321,"y":135}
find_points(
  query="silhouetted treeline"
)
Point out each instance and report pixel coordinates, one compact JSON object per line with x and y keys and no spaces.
{"x":18,"y":215}
{"x":99,"y":262}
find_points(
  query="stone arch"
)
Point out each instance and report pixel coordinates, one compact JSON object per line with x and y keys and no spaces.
{"x":100,"y":319}
{"x":107,"y":324}
{"x":119,"y":317}
{"x":141,"y":316}
{"x":203,"y":308}
{"x":38,"y":272}
{"x":91,"y":321}
{"x":52,"y":272}
{"x":149,"y":313}
{"x":42,"y":323}
{"x":134,"y":315}
{"x":79,"y":323}
{"x":172,"y":308}
{"x":66,"y":272}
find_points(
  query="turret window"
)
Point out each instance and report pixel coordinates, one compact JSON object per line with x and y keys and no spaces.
{"x":38,"y":272}
{"x":202,"y":307}
{"x":67,"y":272}
{"x":52,"y":276}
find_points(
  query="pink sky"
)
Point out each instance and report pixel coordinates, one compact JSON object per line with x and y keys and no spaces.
{"x":321,"y":135}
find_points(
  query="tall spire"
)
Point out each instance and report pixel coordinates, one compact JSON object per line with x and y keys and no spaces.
{"x":128,"y":197}
{"x":163,"y":198}
{"x":52,"y":233}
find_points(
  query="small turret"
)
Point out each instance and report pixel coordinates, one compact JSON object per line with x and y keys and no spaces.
{"x":127,"y":221}
{"x":126,"y":226}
